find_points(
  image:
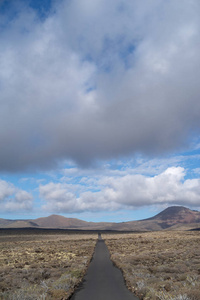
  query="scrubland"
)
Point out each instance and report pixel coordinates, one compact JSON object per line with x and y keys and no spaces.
{"x":158,"y":265}
{"x":43,"y":266}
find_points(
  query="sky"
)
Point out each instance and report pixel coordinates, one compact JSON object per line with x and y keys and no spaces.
{"x":99,"y":108}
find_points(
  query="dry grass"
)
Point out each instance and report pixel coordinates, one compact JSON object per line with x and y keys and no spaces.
{"x":159,"y":265}
{"x":43,"y":266}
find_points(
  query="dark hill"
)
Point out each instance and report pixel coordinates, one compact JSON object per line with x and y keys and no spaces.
{"x":177,"y":214}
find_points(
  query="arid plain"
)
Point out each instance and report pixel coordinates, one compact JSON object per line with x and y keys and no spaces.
{"x":43,"y":266}
{"x":156,"y":265}
{"x":159,"y":265}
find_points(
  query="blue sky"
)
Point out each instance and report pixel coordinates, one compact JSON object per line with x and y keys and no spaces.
{"x":99,"y":108}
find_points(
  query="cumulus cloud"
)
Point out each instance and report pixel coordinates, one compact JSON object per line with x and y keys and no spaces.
{"x":98,"y":80}
{"x":12,"y":199}
{"x":130,"y":191}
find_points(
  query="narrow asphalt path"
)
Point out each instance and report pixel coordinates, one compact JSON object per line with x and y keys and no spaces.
{"x":103,"y":281}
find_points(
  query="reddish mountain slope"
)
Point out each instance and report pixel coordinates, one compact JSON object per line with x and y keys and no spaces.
{"x":55,"y":221}
{"x":177,"y":214}
{"x":172,"y":218}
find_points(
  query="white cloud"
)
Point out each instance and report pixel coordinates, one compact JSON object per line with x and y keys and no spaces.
{"x":6,"y":190}
{"x":96,"y":81}
{"x":13,"y":199}
{"x":197,"y":171}
{"x":129,"y":191}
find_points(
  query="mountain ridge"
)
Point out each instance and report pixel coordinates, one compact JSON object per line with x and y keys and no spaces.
{"x":171,"y":218}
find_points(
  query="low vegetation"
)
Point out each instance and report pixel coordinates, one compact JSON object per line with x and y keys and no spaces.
{"x":158,"y":265}
{"x":43,"y":266}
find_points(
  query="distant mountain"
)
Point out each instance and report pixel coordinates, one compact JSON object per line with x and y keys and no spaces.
{"x":177,"y":214}
{"x":55,"y":221}
{"x":5,"y":223}
{"x":172,"y":218}
{"x":17,"y":223}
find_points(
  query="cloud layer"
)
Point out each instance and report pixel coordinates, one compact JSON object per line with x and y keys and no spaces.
{"x":13,"y":199}
{"x":122,"y":192}
{"x":98,"y":80}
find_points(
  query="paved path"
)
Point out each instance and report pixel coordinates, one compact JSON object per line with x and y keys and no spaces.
{"x":103,"y":280}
